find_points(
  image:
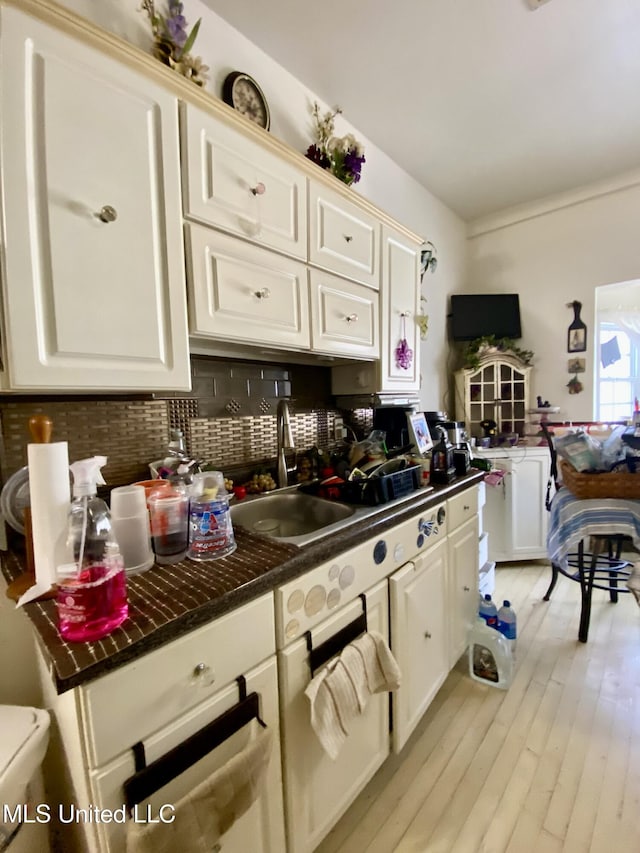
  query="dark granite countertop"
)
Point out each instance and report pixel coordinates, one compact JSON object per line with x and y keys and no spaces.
{"x":168,"y":601}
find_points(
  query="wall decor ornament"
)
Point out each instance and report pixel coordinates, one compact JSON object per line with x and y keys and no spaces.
{"x":404,"y":353}
{"x":577,"y":331}
{"x":428,"y":261}
{"x":172,"y":43}
{"x":342,"y":156}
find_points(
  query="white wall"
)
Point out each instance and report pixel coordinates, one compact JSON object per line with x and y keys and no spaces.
{"x":384,"y":183}
{"x":552,"y":253}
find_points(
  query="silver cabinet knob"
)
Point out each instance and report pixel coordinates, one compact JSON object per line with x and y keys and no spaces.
{"x":427,"y":635}
{"x":351,"y":318}
{"x":107,"y":214}
{"x":259,"y":189}
{"x":265,"y":293}
{"x":466,"y":589}
{"x":348,"y":238}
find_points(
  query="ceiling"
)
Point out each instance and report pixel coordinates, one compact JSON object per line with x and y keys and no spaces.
{"x":487,"y":103}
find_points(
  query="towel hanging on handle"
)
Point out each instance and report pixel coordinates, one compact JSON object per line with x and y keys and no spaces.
{"x":340,"y":692}
{"x":211,"y":808}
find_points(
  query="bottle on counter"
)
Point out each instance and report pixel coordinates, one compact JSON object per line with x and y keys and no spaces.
{"x":92,"y":590}
{"x":210,"y":529}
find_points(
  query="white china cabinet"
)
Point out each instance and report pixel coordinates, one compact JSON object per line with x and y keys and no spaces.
{"x":93,"y":278}
{"x":497,"y":390}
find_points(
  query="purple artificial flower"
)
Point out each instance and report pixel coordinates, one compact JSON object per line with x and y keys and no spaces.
{"x":176,"y":7}
{"x":318,"y":156}
{"x":176,"y":27}
{"x":353,"y":164}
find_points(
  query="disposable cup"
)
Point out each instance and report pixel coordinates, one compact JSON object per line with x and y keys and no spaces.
{"x":128,"y":501}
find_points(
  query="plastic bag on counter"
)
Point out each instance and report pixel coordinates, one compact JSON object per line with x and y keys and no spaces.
{"x":580,"y":450}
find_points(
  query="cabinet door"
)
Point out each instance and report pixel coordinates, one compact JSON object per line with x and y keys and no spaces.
{"x":462,"y":578}
{"x":235,"y":183}
{"x":529,"y":522}
{"x":94,"y":286}
{"x":400,"y":302}
{"x":318,"y":789}
{"x":418,"y":637}
{"x":239,"y":292}
{"x":343,"y":238}
{"x":344,"y":316}
{"x":261,"y":828}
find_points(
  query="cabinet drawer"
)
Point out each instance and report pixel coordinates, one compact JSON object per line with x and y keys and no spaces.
{"x":131,"y":703}
{"x":342,"y":237}
{"x":240,"y":292}
{"x":235,"y":183}
{"x":462,"y":507}
{"x":344,"y":316}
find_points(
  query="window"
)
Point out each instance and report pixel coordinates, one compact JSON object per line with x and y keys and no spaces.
{"x":617,"y":383}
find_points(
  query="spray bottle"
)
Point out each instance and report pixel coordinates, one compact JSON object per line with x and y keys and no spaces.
{"x":92,"y":594}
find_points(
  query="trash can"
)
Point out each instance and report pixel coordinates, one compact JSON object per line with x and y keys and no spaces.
{"x":24,"y":828}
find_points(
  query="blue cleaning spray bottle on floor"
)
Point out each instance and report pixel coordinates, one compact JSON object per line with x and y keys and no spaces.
{"x":489,"y":611}
{"x":507,"y":623}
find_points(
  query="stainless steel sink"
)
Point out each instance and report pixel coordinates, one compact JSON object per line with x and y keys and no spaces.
{"x":290,"y":515}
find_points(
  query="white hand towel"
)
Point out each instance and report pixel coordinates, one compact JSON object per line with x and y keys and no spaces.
{"x":340,"y":692}
{"x":207,"y":812}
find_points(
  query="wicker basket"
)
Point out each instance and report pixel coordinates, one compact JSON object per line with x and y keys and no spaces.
{"x":602,"y":485}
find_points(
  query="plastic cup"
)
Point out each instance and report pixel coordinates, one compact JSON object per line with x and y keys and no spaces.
{"x":128,"y":501}
{"x":169,"y":512}
{"x":151,"y":486}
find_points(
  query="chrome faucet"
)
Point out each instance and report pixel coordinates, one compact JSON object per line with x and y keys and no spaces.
{"x":285,"y":442}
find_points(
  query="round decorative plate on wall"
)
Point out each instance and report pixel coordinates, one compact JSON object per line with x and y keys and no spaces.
{"x":242,"y":93}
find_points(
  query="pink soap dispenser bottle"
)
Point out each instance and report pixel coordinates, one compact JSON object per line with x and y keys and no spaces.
{"x":92,"y":592}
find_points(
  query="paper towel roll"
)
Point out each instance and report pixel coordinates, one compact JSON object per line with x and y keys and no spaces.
{"x":50,"y":498}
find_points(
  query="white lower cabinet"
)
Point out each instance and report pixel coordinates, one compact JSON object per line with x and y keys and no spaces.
{"x":462,"y":580}
{"x":261,"y":828}
{"x":160,"y":700}
{"x":419,"y":641}
{"x":514,"y":515}
{"x":318,"y":790}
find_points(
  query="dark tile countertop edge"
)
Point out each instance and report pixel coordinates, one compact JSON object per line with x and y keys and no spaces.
{"x":229,"y":588}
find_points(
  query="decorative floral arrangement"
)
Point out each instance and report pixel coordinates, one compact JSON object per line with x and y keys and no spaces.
{"x":476,"y":349}
{"x":343,"y":156}
{"x":172,"y":44}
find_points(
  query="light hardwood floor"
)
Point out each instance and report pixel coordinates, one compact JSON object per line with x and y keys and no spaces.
{"x":551,"y":765}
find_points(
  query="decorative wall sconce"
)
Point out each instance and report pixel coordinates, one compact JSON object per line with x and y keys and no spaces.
{"x":577,"y":331}
{"x":428,"y":259}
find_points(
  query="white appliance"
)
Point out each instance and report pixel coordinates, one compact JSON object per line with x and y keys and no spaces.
{"x":25,"y":736}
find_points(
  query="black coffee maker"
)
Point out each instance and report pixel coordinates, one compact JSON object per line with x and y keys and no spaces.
{"x":393,"y":421}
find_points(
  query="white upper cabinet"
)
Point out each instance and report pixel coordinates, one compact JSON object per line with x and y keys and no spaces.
{"x":344,"y":316}
{"x":93,"y":278}
{"x":399,"y":298}
{"x":236,"y":184}
{"x":243,"y":293}
{"x":343,"y":238}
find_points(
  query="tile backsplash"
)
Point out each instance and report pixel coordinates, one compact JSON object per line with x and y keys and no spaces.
{"x":228,"y":419}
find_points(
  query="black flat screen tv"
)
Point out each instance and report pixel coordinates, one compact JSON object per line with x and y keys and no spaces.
{"x":478,"y":315}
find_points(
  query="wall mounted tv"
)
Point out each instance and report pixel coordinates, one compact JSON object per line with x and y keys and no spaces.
{"x":477,"y":315}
